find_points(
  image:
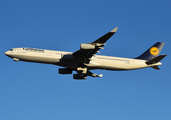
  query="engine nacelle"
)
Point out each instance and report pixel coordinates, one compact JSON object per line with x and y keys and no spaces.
{"x":64,"y":71}
{"x":79,"y":76}
{"x":87,"y":46}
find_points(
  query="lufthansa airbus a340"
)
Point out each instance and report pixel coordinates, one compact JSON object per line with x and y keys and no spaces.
{"x":84,"y":60}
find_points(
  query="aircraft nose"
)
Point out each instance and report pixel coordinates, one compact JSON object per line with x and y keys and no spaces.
{"x":6,"y":53}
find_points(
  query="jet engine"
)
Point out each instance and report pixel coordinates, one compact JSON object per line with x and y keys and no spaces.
{"x":64,"y":71}
{"x":87,"y":46}
{"x":79,"y":76}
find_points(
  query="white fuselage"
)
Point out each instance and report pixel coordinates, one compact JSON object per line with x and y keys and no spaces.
{"x":57,"y":58}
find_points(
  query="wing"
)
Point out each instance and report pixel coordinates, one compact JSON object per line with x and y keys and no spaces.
{"x":87,"y":50}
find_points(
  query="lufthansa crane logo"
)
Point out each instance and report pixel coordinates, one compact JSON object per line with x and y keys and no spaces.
{"x":154,"y":51}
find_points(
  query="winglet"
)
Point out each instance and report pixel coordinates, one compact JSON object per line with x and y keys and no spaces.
{"x":93,"y":74}
{"x":105,"y":37}
{"x":114,"y":30}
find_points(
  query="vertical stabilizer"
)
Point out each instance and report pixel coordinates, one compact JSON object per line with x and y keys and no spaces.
{"x":152,"y":52}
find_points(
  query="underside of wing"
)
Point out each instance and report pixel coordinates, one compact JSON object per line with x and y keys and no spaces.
{"x":82,"y":57}
{"x":87,"y":50}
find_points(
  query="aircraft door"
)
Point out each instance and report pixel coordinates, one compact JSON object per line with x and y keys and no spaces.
{"x":131,"y":62}
{"x":58,"y":55}
{"x":49,"y":53}
{"x":18,"y":51}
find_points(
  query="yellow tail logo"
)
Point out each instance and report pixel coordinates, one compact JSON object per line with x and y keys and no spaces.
{"x":154,"y":51}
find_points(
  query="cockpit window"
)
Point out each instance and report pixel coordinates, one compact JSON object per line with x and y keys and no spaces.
{"x":11,"y":50}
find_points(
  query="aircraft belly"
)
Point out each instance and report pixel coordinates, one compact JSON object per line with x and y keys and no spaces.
{"x":68,"y":64}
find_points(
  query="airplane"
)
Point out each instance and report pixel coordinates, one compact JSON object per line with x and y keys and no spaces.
{"x":84,"y":60}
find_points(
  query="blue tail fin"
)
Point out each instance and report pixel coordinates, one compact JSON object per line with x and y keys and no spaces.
{"x":152,"y":52}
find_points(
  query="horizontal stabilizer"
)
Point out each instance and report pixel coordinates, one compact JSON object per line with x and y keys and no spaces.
{"x":155,"y":60}
{"x":155,"y":67}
